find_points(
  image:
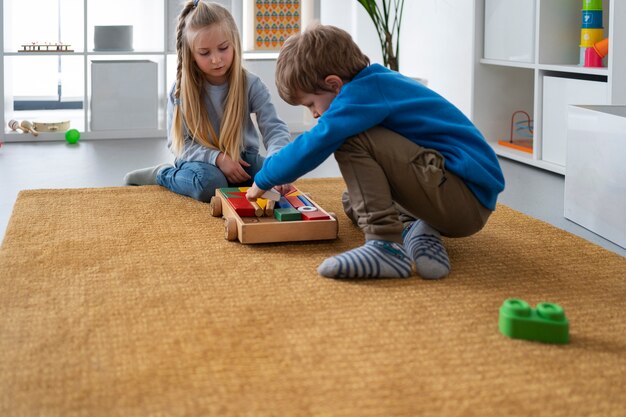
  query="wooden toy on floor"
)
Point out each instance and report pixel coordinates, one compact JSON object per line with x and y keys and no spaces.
{"x":278,"y":222}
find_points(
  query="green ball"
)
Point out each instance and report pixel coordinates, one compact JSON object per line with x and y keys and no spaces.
{"x":72,"y":136}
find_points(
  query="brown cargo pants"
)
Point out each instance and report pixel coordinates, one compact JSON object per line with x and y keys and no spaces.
{"x":392,"y":181}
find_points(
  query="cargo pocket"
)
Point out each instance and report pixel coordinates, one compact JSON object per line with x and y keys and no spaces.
{"x":428,"y":167}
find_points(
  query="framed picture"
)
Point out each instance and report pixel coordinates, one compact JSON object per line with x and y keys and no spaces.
{"x":272,"y":22}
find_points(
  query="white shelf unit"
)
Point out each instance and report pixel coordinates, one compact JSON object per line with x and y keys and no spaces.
{"x":504,"y":86}
{"x":149,"y":19}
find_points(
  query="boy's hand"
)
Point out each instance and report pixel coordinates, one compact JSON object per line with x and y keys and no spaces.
{"x":254,"y":192}
{"x":233,"y":171}
{"x":284,"y":189}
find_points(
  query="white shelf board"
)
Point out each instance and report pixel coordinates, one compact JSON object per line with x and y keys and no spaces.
{"x":526,"y":158}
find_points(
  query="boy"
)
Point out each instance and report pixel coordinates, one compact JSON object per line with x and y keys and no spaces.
{"x":415,"y":167}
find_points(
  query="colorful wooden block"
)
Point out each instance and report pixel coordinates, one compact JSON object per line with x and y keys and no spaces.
{"x":258,"y":211}
{"x":283,"y":203}
{"x":269,"y":208}
{"x":294,"y":201}
{"x":235,"y":194}
{"x":314,"y":215}
{"x":250,"y":229}
{"x":287,"y":214}
{"x":305,"y":201}
{"x":242,"y":206}
{"x":262,"y":202}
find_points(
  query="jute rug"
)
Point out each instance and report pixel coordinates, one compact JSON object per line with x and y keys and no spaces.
{"x":129,"y":302}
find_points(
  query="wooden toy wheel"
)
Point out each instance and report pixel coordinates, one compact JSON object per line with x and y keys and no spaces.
{"x":230,"y":229}
{"x":216,"y":206}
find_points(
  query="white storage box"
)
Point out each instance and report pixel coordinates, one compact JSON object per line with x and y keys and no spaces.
{"x":558,"y":93}
{"x":595,"y":175}
{"x":124,"y":95}
{"x":510,"y":30}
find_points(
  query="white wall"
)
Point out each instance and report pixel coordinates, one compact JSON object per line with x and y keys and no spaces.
{"x":436,"y":44}
{"x":294,"y":116}
{"x":436,"y":41}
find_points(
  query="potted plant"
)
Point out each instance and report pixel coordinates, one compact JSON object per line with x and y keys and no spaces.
{"x":387,"y":21}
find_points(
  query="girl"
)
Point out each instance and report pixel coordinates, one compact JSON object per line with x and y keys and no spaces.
{"x":208,"y":111}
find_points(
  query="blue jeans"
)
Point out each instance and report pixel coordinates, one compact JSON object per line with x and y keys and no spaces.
{"x":199,"y":180}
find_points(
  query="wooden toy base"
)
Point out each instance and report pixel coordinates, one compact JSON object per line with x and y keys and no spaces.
{"x":268,"y":229}
{"x":524,"y":145}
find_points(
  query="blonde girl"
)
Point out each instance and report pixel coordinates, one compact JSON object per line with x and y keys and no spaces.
{"x":210,"y":130}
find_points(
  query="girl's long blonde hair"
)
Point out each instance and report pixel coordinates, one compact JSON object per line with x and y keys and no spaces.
{"x":190,"y":111}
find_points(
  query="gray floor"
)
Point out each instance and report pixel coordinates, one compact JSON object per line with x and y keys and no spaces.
{"x":103,"y":163}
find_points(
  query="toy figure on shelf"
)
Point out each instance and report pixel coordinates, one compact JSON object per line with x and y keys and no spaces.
{"x":14,"y":125}
{"x":37,"y":126}
{"x":521,"y":133}
{"x":24,"y":126}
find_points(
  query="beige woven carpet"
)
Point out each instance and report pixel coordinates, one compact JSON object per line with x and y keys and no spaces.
{"x":129,"y":302}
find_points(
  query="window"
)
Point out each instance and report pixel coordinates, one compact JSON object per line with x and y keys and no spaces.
{"x":49,"y":81}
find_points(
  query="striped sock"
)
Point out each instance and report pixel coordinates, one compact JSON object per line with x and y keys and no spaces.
{"x":375,"y":259}
{"x":423,"y":243}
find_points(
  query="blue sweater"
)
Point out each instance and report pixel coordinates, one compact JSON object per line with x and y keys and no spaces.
{"x":379,"y":96}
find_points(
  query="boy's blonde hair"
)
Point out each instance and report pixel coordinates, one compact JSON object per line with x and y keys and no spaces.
{"x":306,"y":59}
{"x":190,"y":111}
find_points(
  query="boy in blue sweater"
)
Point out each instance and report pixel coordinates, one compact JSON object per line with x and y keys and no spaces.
{"x":415,"y":167}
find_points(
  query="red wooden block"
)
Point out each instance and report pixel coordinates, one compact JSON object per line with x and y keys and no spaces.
{"x":314,"y":215}
{"x":294,"y":201}
{"x":242,"y":207}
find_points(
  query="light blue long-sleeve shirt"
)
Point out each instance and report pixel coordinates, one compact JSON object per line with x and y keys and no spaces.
{"x":379,"y":96}
{"x":274,"y":131}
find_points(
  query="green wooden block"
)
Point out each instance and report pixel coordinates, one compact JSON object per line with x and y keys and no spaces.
{"x":287,"y":214}
{"x":546,"y":323}
{"x":229,"y":190}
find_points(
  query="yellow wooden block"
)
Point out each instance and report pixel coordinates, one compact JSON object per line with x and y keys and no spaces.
{"x":244,"y":189}
{"x":295,"y":193}
{"x":261,"y":202}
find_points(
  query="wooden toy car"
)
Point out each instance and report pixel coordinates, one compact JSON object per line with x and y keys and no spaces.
{"x":254,"y":228}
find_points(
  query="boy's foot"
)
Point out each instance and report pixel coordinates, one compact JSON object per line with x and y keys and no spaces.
{"x":144,"y":176}
{"x":375,"y":259}
{"x":423,"y":243}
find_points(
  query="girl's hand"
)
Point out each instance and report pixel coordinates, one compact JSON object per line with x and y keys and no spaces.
{"x":254,"y":192}
{"x":233,"y":171}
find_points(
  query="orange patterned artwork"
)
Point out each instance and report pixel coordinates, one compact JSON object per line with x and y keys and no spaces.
{"x":275,"y":21}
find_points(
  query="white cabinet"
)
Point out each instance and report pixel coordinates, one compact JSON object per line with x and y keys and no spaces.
{"x":505,"y":81}
{"x":558,"y":93}
{"x":65,"y":85}
{"x":124,"y":95}
{"x":595,"y":178}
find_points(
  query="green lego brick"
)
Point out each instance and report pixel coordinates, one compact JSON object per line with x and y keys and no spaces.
{"x":287,"y":214}
{"x":546,"y":323}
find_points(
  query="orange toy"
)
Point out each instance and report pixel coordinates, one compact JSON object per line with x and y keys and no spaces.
{"x":602,"y":47}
